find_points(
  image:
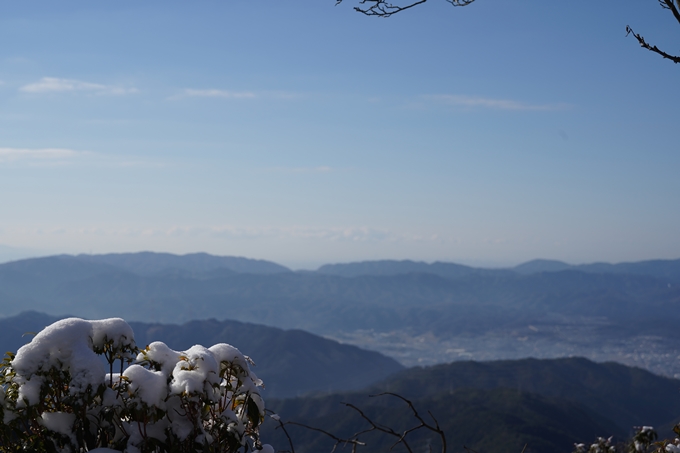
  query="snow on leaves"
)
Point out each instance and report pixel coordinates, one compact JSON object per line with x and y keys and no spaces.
{"x":84,"y":386}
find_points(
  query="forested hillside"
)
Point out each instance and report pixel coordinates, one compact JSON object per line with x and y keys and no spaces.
{"x":498,"y":406}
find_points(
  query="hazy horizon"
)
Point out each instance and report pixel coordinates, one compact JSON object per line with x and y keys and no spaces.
{"x":9,"y":254}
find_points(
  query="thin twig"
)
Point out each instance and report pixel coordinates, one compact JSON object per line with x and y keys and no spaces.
{"x":374,"y":426}
{"x":643,"y":43}
{"x":668,"y":4}
{"x":337,"y":439}
{"x":285,"y":431}
{"x":382,"y":8}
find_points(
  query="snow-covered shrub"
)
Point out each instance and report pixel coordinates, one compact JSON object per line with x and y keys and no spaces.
{"x":85,"y":386}
{"x":644,"y":441}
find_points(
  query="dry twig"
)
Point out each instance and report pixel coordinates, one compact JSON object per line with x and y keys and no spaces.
{"x":665,"y":4}
{"x":382,"y":8}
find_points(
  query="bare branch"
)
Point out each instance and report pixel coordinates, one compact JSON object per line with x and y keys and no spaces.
{"x":338,"y":441}
{"x":423,"y":423}
{"x":668,"y":4}
{"x":374,"y":427}
{"x":382,"y":8}
{"x":285,"y":431}
{"x":382,"y":428}
{"x":643,"y":43}
{"x":675,"y":9}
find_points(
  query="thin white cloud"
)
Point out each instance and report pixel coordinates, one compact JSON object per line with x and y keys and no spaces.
{"x":41,"y":155}
{"x":233,"y":95}
{"x":57,"y":85}
{"x":491,"y":103}
{"x":319,"y":169}
{"x":333,"y":234}
{"x":62,"y":156}
{"x":223,"y":94}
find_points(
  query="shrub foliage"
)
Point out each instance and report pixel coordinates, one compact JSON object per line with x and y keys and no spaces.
{"x":85,"y":386}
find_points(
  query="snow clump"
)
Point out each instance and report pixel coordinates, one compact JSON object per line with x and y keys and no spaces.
{"x":62,"y":385}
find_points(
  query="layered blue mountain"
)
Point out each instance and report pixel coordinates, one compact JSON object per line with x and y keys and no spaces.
{"x":668,"y":270}
{"x":198,"y":264}
{"x":394,"y":267}
{"x":416,"y":312}
{"x":168,"y":288}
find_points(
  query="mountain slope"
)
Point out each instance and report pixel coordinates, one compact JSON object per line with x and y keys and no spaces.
{"x":626,"y":395}
{"x":394,"y":267}
{"x":290,"y":362}
{"x":535,"y":266}
{"x":497,"y":420}
{"x":499,"y":406}
{"x":150,"y":263}
{"x":667,"y":270}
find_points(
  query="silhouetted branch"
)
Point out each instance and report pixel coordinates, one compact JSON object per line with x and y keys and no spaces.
{"x":423,"y":423}
{"x":285,"y":431}
{"x":353,"y":441}
{"x":668,"y":4}
{"x":643,"y":43}
{"x":382,"y":8}
{"x":383,"y":429}
{"x":401,"y":436}
{"x":665,"y":4}
{"x":373,"y":426}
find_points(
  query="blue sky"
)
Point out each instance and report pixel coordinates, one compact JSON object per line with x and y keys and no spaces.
{"x":304,"y":133}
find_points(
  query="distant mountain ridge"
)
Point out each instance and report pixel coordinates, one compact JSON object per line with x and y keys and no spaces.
{"x":204,"y":265}
{"x":417,"y":312}
{"x":534,"y":266}
{"x":318,"y":302}
{"x":393,"y":267}
{"x":106,"y":285}
{"x":150,"y":263}
{"x":666,"y":269}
